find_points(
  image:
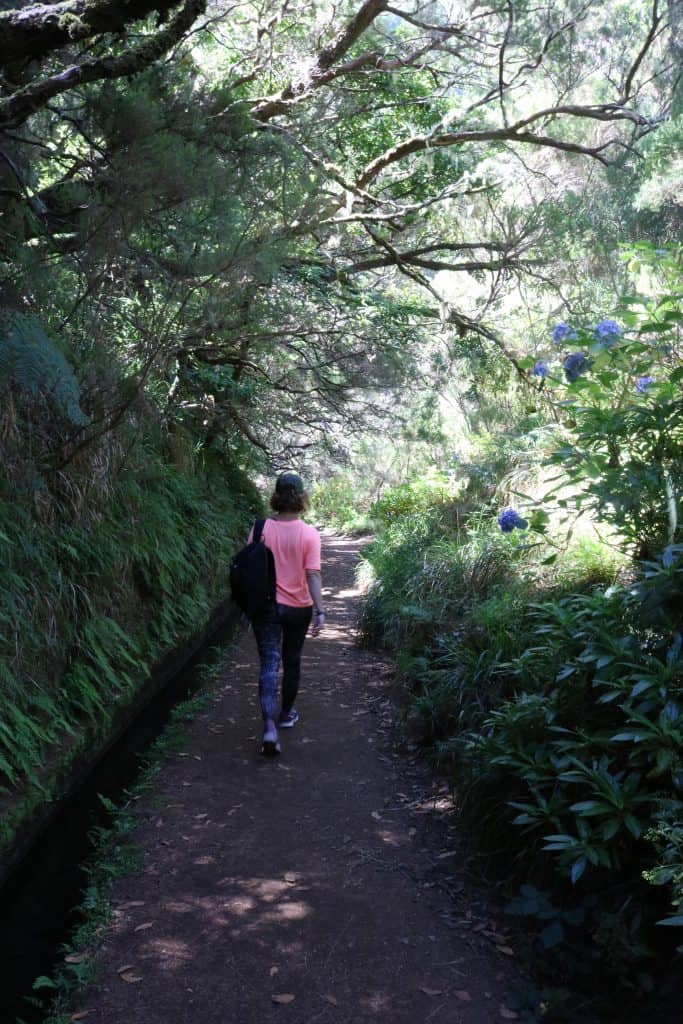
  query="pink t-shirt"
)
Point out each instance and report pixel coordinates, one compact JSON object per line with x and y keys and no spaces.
{"x":296,"y":549}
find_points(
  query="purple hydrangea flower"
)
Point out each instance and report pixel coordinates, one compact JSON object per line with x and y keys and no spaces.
{"x":563,"y":332}
{"x":574,"y":365}
{"x":509,"y":519}
{"x":541,"y":369}
{"x":643,"y":383}
{"x":607,"y":331}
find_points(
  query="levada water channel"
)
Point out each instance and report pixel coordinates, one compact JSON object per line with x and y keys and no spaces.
{"x":40,"y":899}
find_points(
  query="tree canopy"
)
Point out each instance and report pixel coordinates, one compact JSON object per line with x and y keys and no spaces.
{"x":260,"y":213}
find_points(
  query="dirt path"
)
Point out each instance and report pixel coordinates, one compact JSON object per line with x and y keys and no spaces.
{"x":317,"y":887}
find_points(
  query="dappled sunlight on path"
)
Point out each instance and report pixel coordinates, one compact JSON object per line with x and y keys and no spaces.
{"x":319,"y":886}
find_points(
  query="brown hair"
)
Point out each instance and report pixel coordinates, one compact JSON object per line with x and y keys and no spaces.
{"x":290,"y":501}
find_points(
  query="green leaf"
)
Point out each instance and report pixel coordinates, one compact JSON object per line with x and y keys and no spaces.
{"x":43,"y":982}
{"x":578,"y":868}
{"x":589,"y":808}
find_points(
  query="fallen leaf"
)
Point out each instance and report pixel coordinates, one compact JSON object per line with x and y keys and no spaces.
{"x":376,"y":815}
{"x":284,"y":997}
{"x":273,"y":971}
{"x":331,"y":1000}
{"x":126,"y":967}
{"x":448,"y":853}
{"x":507,"y":1014}
{"x":75,"y":958}
{"x":81,"y":1015}
{"x":290,"y":877}
{"x":431,"y":991}
{"x":130,"y":977}
{"x":144,"y":926}
{"x":464,"y":996}
{"x":506,"y":949}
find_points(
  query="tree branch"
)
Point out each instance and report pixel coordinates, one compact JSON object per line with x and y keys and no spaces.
{"x":17,"y":108}
{"x":655,"y":24}
{"x":36,"y":31}
{"x":514,"y":133}
{"x":397,"y":258}
{"x":328,"y":56}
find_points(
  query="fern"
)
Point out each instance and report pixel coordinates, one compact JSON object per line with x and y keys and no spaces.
{"x":33,"y":361}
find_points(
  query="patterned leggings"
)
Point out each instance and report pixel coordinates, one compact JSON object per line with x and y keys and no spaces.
{"x":280,"y":638}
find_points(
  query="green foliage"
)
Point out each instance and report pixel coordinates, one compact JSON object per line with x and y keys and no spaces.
{"x":619,"y":456}
{"x":661,"y":171}
{"x":425,"y":493}
{"x":32,"y":362}
{"x":89,"y":604}
{"x":551,"y":695}
{"x":667,"y":837}
{"x":334,"y":502}
{"x":600,"y":716}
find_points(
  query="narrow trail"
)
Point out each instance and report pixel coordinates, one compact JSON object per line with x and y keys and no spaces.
{"x":327,"y":875}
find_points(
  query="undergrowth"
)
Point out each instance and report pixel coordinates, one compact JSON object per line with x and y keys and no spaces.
{"x":551,"y":696}
{"x":101,"y":576}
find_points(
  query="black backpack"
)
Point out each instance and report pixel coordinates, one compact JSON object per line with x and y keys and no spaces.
{"x":252,"y":576}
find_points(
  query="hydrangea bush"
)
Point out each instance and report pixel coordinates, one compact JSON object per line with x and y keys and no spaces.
{"x":509,"y":519}
{"x":616,"y":388}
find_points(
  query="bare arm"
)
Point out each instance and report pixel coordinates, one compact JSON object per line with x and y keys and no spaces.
{"x":316,"y":592}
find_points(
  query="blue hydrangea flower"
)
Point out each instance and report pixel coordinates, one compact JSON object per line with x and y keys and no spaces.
{"x":643,"y":383}
{"x":541,"y":369}
{"x":607,"y":331}
{"x":563,"y":332}
{"x":574,"y":365}
{"x":509,"y":519}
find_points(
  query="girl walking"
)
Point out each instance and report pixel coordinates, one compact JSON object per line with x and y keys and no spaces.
{"x":280,"y":634}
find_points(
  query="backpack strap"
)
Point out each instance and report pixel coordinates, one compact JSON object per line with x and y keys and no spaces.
{"x":258,"y":530}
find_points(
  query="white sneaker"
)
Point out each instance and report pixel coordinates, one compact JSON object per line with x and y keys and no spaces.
{"x":269,"y":744}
